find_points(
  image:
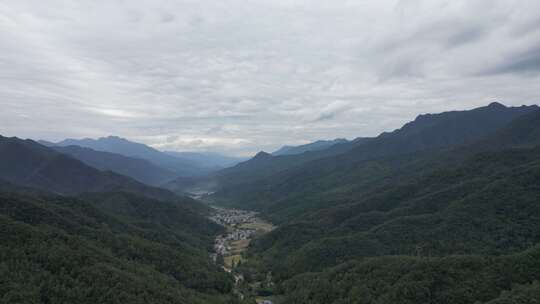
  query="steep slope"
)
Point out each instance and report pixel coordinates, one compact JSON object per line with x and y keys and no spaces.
{"x":487,"y":205}
{"x":477,"y":199}
{"x":66,"y":250}
{"x":293,"y":182}
{"x":114,"y":144}
{"x":522,"y":132}
{"x":265,"y":164}
{"x":314,"y":146}
{"x":138,"y":169}
{"x":474,"y":198}
{"x":434,"y":131}
{"x":260,"y":166}
{"x":411,"y":280}
{"x":28,"y":163}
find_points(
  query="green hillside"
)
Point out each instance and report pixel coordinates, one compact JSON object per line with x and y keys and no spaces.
{"x":66,"y":250}
{"x":476,"y":199}
{"x":411,"y":280}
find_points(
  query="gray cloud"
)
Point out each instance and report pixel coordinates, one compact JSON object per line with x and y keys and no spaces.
{"x":525,"y":62}
{"x":466,"y":36}
{"x":241,"y":76}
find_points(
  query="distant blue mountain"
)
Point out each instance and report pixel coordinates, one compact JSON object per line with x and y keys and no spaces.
{"x":30,"y":164}
{"x":114,"y":144}
{"x":208,"y":159}
{"x":139,"y":169}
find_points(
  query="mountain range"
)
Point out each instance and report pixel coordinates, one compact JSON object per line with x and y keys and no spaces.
{"x":180,"y":163}
{"x":442,"y":210}
{"x":457,"y":183}
{"x":118,"y":145}
{"x":136,"y":168}
{"x":426,"y":132}
{"x":73,"y":233}
{"x":139,"y":161}
{"x":27,"y":163}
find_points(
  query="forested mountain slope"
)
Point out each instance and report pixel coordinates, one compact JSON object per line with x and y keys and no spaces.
{"x":488,"y":205}
{"x":362,"y":164}
{"x":262,"y":165}
{"x":410,"y":280}
{"x":138,"y":169}
{"x":479,"y":198}
{"x":28,"y":163}
{"x":314,"y":146}
{"x":426,"y":132}
{"x":64,"y":250}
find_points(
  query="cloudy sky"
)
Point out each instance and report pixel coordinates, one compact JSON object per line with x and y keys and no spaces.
{"x":239,"y":76}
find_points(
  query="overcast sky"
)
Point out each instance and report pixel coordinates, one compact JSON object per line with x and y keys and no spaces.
{"x":239,"y":76}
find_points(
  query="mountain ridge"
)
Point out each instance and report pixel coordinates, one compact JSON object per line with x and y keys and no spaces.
{"x":122,"y":146}
{"x":136,"y":168}
{"x":314,"y":146}
{"x":476,"y":198}
{"x":428,"y":132}
{"x":27,"y":163}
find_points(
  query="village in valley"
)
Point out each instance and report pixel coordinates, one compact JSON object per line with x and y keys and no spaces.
{"x":241,"y":227}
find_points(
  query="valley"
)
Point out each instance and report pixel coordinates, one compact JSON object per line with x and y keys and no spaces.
{"x":270,"y":152}
{"x":407,"y":217}
{"x":242,"y":226}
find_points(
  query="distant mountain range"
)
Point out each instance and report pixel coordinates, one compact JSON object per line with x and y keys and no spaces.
{"x":114,"y":144}
{"x":136,"y":168}
{"x":140,"y":161}
{"x":426,"y":132}
{"x":28,"y":163}
{"x":314,"y":146}
{"x":208,"y":160}
{"x":443,"y":210}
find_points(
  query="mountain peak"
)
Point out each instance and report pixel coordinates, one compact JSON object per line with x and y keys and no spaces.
{"x":496,"y":105}
{"x":262,"y":155}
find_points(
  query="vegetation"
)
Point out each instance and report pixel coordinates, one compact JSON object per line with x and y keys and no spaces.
{"x":402,"y":279}
{"x":444,"y":210}
{"x":64,"y":250}
{"x":487,"y":206}
{"x":429,"y":217}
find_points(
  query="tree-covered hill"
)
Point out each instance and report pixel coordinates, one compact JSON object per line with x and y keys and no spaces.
{"x":234,"y":185}
{"x":70,"y":250}
{"x":507,"y":279}
{"x":486,"y":206}
{"x":289,"y":178}
{"x":479,"y":198}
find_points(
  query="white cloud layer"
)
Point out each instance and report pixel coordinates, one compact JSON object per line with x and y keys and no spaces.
{"x":240,"y":76}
